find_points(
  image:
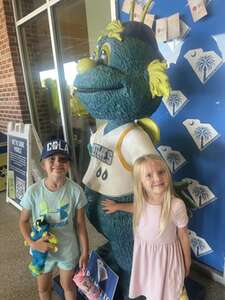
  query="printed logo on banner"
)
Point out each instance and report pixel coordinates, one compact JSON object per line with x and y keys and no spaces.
{"x":203,"y":134}
{"x":175,"y":102}
{"x":204,"y":64}
{"x":201,"y":194}
{"x":199,"y":246}
{"x":174,"y":159}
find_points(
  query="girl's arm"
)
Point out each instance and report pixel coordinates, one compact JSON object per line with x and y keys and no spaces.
{"x":110,"y":206}
{"x":185,"y":244}
{"x":41,"y":244}
{"x":24,"y":225}
{"x":83,"y":238}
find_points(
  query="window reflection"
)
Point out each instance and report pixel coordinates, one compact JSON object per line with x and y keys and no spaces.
{"x":79,"y":25}
{"x":24,"y":7}
{"x":42,"y":81}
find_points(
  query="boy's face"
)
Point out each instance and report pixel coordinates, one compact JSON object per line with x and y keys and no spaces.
{"x":56,"y":165}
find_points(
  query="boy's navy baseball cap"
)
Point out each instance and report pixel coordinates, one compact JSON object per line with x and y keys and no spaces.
{"x":56,"y":146}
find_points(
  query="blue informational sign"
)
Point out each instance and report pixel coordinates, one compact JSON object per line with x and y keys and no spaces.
{"x":17,"y":168}
{"x":192,"y":119}
{"x":102,"y":276}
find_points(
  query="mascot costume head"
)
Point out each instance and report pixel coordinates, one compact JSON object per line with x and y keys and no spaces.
{"x":123,"y":84}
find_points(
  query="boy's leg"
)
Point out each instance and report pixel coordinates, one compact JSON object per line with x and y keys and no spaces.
{"x":44,"y":283}
{"x":66,"y":281}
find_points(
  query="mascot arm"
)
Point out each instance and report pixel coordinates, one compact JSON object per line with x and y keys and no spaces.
{"x":110,"y":206}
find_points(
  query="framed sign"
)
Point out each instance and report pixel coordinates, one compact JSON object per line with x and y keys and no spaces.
{"x":18,"y":175}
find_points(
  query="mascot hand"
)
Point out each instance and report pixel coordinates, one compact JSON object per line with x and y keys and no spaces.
{"x":110,"y":206}
{"x":181,"y":190}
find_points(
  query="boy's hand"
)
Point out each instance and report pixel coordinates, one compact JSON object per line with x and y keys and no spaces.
{"x":109,"y":206}
{"x":83,"y":262}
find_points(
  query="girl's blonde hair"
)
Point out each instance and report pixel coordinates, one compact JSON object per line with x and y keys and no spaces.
{"x":140,"y":194}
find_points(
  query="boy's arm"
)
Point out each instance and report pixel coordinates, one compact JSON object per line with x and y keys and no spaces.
{"x":42,"y":244}
{"x":83,"y":237}
{"x":110,"y":206}
{"x":185,"y":245}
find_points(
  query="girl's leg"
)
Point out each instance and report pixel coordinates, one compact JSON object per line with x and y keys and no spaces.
{"x":66,"y":281}
{"x":44,"y":283}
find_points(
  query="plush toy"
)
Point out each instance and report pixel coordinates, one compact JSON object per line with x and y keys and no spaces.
{"x":123,"y":84}
{"x":41,"y":229}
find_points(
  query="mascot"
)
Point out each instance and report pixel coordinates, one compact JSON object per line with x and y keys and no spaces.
{"x":123,"y":84}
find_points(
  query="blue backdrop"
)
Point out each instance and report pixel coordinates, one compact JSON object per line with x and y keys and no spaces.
{"x":192,"y":120}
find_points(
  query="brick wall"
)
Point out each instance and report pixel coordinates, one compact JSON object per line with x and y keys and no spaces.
{"x":13,"y":101}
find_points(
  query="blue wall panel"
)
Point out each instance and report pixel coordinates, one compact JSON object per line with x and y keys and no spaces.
{"x":203,"y":147}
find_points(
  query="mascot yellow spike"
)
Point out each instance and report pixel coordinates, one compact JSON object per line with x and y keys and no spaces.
{"x":158,"y":79}
{"x":114,"y":29}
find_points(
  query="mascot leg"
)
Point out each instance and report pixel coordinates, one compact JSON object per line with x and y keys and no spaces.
{"x":117,"y":229}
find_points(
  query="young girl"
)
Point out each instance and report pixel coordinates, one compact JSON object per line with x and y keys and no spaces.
{"x":161,"y":257}
{"x":61,"y":202}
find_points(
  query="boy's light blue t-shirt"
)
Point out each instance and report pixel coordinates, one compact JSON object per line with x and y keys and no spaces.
{"x":59,"y":209}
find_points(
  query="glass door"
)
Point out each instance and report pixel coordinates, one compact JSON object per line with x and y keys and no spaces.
{"x":78,"y":26}
{"x":53,"y":35}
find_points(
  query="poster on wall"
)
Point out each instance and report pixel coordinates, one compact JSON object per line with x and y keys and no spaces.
{"x":191,"y":120}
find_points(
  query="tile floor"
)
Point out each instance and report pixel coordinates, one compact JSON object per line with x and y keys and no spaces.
{"x":16,"y":282}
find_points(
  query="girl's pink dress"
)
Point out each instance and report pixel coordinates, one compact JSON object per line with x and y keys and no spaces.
{"x":158,"y":268}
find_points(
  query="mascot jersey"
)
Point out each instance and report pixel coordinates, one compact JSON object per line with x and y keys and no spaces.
{"x":59,"y":209}
{"x":112,"y":157}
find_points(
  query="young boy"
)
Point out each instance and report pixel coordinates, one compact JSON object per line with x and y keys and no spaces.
{"x":61,"y":201}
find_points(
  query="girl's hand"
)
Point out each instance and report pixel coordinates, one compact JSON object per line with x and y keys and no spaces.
{"x":42,"y":245}
{"x":109,"y":206}
{"x":187,"y":270}
{"x":83,"y":262}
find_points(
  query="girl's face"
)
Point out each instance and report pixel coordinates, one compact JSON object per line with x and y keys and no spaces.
{"x":155,"y":178}
{"x":56,"y":165}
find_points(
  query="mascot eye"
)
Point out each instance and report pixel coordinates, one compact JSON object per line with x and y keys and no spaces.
{"x":104,"y":55}
{"x":94,"y":55}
